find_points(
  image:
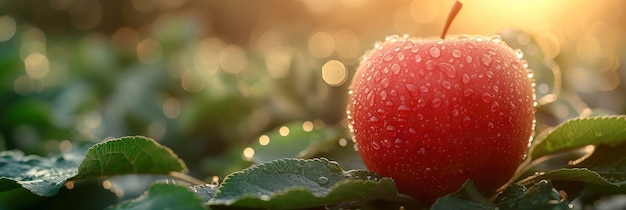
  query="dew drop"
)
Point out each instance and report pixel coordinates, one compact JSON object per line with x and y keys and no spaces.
{"x":496,"y":39}
{"x":398,"y":142}
{"x":496,"y":88}
{"x":407,"y":45}
{"x":385,"y":82}
{"x":424,"y":88}
{"x":322,"y":180}
{"x":418,"y":58}
{"x":382,"y":113}
{"x":375,"y":145}
{"x":391,"y":128}
{"x":446,"y":85}
{"x":393,"y":92}
{"x":387,"y":56}
{"x":371,"y":98}
{"x":455,"y":112}
{"x":383,"y":95}
{"x":412,"y":89}
{"x":377,"y":76}
{"x":448,"y":69}
{"x":486,"y":97}
{"x":490,"y":125}
{"x":457,"y":53}
{"x":415,"y":49}
{"x":434,"y":51}
{"x":468,"y":59}
{"x":466,"y":79}
{"x":518,"y":53}
{"x":389,"y":103}
{"x":374,"y":119}
{"x":467,"y":121}
{"x":395,"y":68}
{"x":387,"y":143}
{"x":468,"y":92}
{"x":404,"y":110}
{"x":515,"y":65}
{"x":495,"y":106}
{"x":421,"y":103}
{"x":489,"y":74}
{"x":486,"y":60}
{"x":430,"y":65}
{"x":436,"y":102}
{"x":471,"y":45}
{"x":400,"y":56}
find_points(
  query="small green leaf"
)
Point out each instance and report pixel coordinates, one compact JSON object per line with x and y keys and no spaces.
{"x":579,"y":132}
{"x":129,"y":155}
{"x":164,"y":196}
{"x":299,"y":183}
{"x":539,"y":196}
{"x":468,"y":197}
{"x":299,"y":142}
{"x":42,"y":176}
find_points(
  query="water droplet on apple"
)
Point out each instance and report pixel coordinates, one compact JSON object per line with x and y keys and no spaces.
{"x":468,"y":59}
{"x":377,"y":76}
{"x":486,"y":97}
{"x":434,"y":51}
{"x":518,"y":53}
{"x":383,"y":95}
{"x":468,"y":92}
{"x":393,"y":92}
{"x":424,"y":88}
{"x":371,"y":98}
{"x":448,"y":69}
{"x":382,"y":113}
{"x":490,"y":125}
{"x":395,"y":68}
{"x":407,"y":44}
{"x":486,"y":60}
{"x":496,"y":88}
{"x":457,"y":53}
{"x":489,"y":74}
{"x":415,"y":49}
{"x":375,"y":145}
{"x":398,"y":142}
{"x":466,"y":79}
{"x":421,"y":103}
{"x":404,"y":110}
{"x":418,"y":58}
{"x":400,"y":56}
{"x":387,"y":56}
{"x":496,"y":39}
{"x":391,"y":128}
{"x":385,"y":82}
{"x":446,"y":85}
{"x":374,"y":119}
{"x":467,"y":121}
{"x":389,"y":103}
{"x":455,"y":112}
{"x":495,"y":106}
{"x":471,"y":44}
{"x":412,"y":89}
{"x":437,"y":102}
{"x":431,"y":65}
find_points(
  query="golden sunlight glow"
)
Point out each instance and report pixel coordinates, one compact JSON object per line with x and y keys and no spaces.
{"x":321,"y":45}
{"x":233,"y":59}
{"x":37,"y":65}
{"x":307,"y":126}
{"x":283,"y":131}
{"x":7,"y":28}
{"x":149,"y":51}
{"x":277,"y":62}
{"x":334,"y":73}
{"x":248,"y":153}
{"x":264,"y":140}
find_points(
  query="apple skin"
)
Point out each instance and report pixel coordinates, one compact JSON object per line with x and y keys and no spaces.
{"x":433,"y":113}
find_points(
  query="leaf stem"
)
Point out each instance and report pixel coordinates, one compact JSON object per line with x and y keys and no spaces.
{"x":186,"y":178}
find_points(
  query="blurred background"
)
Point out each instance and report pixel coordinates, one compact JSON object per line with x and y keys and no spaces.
{"x":210,"y":78}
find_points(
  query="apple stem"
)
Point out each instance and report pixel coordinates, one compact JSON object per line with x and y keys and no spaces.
{"x":453,"y":12}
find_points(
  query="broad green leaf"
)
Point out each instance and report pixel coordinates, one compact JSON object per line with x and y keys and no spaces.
{"x":299,"y":183}
{"x":605,"y":167}
{"x":301,"y":140}
{"x":541,"y":195}
{"x":468,"y":197}
{"x":40,"y":175}
{"x":206,"y":191}
{"x":579,"y":132}
{"x":164,"y":196}
{"x":129,"y":155}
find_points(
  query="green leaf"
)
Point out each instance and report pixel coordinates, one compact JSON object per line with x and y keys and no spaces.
{"x":164,"y":196}
{"x":299,"y":183}
{"x":205,"y":191}
{"x":42,"y":176}
{"x":579,"y":132}
{"x":299,"y":142}
{"x":605,"y":167}
{"x":468,"y":197}
{"x":129,"y":155}
{"x":126,"y":155}
{"x":541,"y":195}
